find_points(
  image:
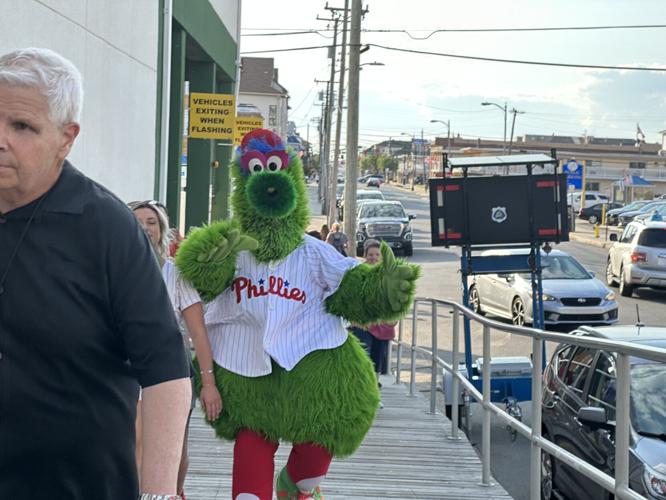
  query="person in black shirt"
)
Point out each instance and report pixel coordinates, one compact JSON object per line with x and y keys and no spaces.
{"x":84,"y":314}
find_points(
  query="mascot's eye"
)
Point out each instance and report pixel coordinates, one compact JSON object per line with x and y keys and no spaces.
{"x":274,"y":163}
{"x":255,"y":166}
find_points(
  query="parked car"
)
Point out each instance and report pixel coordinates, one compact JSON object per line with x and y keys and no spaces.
{"x":659,"y":211}
{"x":626,"y":217}
{"x":591,"y":198}
{"x":571,"y":294}
{"x":638,"y":257}
{"x":361,"y":194}
{"x":578,"y":411}
{"x":387,"y":221}
{"x":612,"y":215}
{"x":373,"y":182}
{"x":594,"y":214}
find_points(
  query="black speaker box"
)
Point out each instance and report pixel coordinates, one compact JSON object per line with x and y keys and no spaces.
{"x":496,"y":210}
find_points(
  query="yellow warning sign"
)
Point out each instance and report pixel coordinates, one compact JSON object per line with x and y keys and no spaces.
{"x":245,"y":124}
{"x":212,"y":116}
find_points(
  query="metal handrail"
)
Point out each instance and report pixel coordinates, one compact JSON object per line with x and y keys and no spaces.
{"x":618,"y":485}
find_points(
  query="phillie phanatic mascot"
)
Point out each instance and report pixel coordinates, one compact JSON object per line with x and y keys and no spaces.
{"x":285,"y":366}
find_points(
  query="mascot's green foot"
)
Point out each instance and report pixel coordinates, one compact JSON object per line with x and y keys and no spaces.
{"x":287,"y":490}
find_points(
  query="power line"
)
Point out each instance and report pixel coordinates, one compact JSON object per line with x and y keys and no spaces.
{"x":516,"y":61}
{"x":473,"y":58}
{"x":408,"y":32}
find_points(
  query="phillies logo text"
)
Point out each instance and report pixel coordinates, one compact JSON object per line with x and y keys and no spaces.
{"x":276,"y":286}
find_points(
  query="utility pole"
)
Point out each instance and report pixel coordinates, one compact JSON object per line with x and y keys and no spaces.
{"x":351,"y":165}
{"x":513,"y":123}
{"x":332,"y":176}
{"x":338,"y":122}
{"x":322,"y":170}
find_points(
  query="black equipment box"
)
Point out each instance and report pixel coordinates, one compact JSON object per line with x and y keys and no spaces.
{"x":498,"y":210}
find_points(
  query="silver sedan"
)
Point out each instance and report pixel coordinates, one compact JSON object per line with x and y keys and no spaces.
{"x":571,"y":294}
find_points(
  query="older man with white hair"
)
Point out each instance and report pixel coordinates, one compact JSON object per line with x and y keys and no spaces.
{"x":84,"y":314}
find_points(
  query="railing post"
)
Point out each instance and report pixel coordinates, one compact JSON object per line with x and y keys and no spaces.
{"x":412,"y":379}
{"x":485,"y":433}
{"x":535,"y":450}
{"x":455,"y":383}
{"x":433,"y":367}
{"x":398,"y":361}
{"x":622,"y":424}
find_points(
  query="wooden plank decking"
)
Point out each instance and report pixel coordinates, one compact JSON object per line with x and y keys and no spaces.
{"x":405,"y":455}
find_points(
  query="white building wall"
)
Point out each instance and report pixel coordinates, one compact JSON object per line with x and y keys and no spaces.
{"x":263,"y":103}
{"x":227,"y":10}
{"x":114,"y":45}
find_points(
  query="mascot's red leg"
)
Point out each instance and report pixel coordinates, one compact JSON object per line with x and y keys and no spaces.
{"x":253,"y":466}
{"x":307,"y":465}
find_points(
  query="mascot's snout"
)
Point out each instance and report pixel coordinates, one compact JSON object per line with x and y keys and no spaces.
{"x":271,"y":194}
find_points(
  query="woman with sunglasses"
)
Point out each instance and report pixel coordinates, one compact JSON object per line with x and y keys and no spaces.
{"x":188,"y":308}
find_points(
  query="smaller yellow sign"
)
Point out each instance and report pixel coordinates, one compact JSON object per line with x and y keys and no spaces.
{"x":212,"y":116}
{"x":245,"y":124}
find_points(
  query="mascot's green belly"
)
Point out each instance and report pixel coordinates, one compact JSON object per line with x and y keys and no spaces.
{"x":329,"y":398}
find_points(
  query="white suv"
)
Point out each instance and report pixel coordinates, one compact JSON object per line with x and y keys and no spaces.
{"x":591,"y":198}
{"x":638,"y":257}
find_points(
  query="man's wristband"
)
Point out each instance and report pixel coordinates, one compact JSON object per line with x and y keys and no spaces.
{"x":204,"y":372}
{"x":152,"y":496}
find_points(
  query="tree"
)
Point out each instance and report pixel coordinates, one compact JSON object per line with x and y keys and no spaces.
{"x":369,"y":163}
{"x":385,"y":162}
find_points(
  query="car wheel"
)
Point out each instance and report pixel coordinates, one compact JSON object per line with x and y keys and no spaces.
{"x":474,"y":300}
{"x":593,"y":219}
{"x":625,"y":289}
{"x":610,"y":279}
{"x":408,"y":250}
{"x":518,"y":312}
{"x":547,"y":474}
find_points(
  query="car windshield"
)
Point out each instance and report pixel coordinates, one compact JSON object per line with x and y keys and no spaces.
{"x":369,"y":196}
{"x":635,"y":205}
{"x":380,"y":210}
{"x":561,"y":267}
{"x":648,"y":396}
{"x":339,"y":189}
{"x":651,"y":206}
{"x":653,"y":238}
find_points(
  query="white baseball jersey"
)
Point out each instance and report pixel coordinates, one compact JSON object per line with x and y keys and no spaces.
{"x":182,"y":295}
{"x":276,"y":310}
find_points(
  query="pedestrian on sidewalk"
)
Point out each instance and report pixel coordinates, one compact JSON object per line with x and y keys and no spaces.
{"x":188,"y":310}
{"x":84,"y":314}
{"x":375,"y":337}
{"x":338,"y":239}
{"x":323,"y":231}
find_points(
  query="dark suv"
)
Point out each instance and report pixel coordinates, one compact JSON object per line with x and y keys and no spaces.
{"x":387,"y":221}
{"x":578,"y":408}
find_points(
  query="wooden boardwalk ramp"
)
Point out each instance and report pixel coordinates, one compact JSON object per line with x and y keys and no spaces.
{"x":405,"y":455}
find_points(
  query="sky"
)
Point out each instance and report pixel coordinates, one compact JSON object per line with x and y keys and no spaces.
{"x":400,"y":98}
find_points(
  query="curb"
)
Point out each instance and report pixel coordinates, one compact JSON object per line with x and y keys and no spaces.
{"x":590,"y":241}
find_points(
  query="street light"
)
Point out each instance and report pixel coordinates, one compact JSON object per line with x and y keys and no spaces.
{"x":448,"y":132}
{"x":503,"y":108}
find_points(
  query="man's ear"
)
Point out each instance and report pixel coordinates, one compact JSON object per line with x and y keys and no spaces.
{"x":69,"y":134}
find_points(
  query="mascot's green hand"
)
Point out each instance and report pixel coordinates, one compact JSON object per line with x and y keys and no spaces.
{"x":233,"y":243}
{"x":397,"y":279}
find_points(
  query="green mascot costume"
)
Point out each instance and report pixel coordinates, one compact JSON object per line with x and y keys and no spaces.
{"x":285,"y":366}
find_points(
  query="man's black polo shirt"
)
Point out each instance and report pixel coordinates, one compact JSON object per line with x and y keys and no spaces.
{"x":84,"y":314}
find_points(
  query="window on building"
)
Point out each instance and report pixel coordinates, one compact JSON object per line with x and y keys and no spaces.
{"x":592,"y":186}
{"x":272,"y":115}
{"x":636,"y":164}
